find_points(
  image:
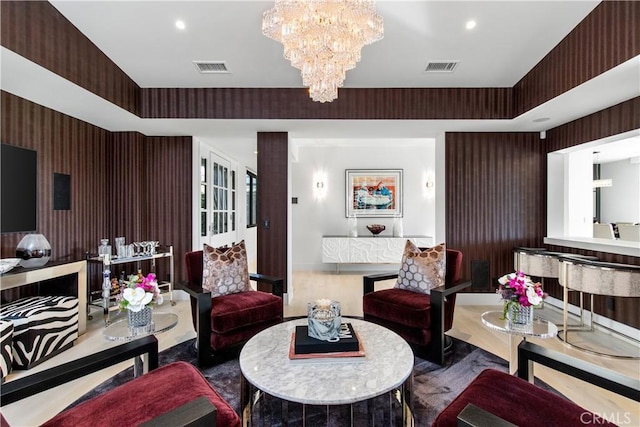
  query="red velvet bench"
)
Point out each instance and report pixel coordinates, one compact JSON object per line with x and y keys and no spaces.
{"x":174,"y":394}
{"x":495,"y":398}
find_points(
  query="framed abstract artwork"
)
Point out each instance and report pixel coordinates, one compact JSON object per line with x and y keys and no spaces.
{"x":373,"y":192}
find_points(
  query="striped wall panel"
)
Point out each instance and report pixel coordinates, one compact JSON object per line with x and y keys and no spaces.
{"x":611,"y":121}
{"x":168,"y":199}
{"x":604,"y":39}
{"x":495,"y":196}
{"x":273,"y":203}
{"x":37,"y":31}
{"x":68,"y":146}
{"x":607,"y":37}
{"x":127,"y":178}
{"x":122,"y":184}
{"x":352,"y":104}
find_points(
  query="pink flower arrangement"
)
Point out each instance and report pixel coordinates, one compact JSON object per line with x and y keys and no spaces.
{"x":140,"y":292}
{"x":516,"y":290}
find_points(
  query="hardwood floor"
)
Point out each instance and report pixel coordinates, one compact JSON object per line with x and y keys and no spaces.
{"x":346,"y":288}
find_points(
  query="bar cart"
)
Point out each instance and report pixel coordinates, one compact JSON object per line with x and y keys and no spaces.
{"x":104,"y":298}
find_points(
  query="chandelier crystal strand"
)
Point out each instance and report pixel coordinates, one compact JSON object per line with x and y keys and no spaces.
{"x":323,"y":38}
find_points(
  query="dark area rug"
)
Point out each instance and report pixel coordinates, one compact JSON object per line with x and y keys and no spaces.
{"x":434,"y":386}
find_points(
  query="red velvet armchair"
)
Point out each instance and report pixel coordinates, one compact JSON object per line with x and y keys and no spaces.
{"x":175,"y":394}
{"x":489,"y":400}
{"x":228,"y":321}
{"x":420,"y":319}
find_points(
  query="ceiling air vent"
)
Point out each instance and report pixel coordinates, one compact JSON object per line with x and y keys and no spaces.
{"x":211,"y":66}
{"x":441,"y":66}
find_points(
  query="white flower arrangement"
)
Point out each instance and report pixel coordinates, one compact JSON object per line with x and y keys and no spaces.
{"x":140,"y":292}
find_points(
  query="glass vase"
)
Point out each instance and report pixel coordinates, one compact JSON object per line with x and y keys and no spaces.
{"x":520,"y":316}
{"x":139,"y":319}
{"x":33,"y":250}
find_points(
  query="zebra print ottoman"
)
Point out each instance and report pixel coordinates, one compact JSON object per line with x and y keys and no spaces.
{"x":43,"y":326}
{"x":6,"y":352}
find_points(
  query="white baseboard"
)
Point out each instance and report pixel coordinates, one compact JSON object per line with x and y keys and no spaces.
{"x":478,"y":299}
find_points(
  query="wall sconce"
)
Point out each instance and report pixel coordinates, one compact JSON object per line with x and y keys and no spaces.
{"x":319,"y":189}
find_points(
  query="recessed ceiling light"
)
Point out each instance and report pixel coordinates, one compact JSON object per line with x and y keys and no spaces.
{"x":471,"y":24}
{"x":541,"y":119}
{"x":180,"y":24}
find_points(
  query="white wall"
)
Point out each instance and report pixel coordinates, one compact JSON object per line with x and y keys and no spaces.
{"x":621,"y":201}
{"x":578,"y":197}
{"x":555,"y":195}
{"x":312,"y":217}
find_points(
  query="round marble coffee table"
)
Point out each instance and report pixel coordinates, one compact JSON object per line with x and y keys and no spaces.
{"x":336,"y":385}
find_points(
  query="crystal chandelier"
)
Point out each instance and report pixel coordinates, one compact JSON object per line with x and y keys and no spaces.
{"x":323,"y":38}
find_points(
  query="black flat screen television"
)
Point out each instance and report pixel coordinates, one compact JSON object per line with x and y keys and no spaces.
{"x":18,"y":186}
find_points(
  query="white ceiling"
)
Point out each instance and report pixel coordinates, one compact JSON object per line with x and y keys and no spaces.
{"x":510,"y":38}
{"x":141,"y":38}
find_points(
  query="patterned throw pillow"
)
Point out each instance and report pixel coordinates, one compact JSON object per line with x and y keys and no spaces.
{"x":224,"y":270}
{"x":422,"y":271}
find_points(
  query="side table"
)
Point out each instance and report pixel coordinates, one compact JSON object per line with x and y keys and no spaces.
{"x":120,"y":331}
{"x":540,"y":328}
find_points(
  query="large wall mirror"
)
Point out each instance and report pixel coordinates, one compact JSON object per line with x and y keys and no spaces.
{"x":600,"y":192}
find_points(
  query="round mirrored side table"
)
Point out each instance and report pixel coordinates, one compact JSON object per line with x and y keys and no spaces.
{"x":120,"y":331}
{"x":540,"y":328}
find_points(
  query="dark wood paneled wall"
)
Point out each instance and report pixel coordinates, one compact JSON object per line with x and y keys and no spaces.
{"x":495,"y":196}
{"x":127,"y":186}
{"x":352,"y":104}
{"x":37,"y":31}
{"x":122,"y":184}
{"x":151,"y":176}
{"x":614,"y":120}
{"x":604,"y":39}
{"x":607,"y":37}
{"x":69,"y":146}
{"x":168,"y":199}
{"x":273,"y":202}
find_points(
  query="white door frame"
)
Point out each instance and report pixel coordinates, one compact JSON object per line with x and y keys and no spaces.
{"x":213,"y":236}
